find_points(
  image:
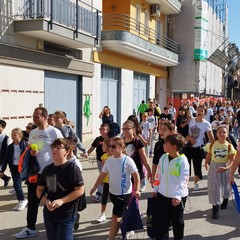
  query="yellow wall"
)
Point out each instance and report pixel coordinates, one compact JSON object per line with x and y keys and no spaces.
{"x":121,"y":61}
{"x":117,"y":13}
{"x":116,"y":6}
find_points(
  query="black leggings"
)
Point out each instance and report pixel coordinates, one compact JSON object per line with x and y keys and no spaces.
{"x":105,"y":193}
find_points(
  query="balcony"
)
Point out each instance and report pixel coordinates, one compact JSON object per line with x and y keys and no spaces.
{"x":66,"y":23}
{"x":125,"y":35}
{"x":167,"y":6}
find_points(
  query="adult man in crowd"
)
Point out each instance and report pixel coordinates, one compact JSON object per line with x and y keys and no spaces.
{"x":43,"y":136}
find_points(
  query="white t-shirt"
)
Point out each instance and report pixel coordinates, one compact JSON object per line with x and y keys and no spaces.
{"x":152,"y":121}
{"x":16,"y":154}
{"x":76,"y":161}
{"x":146,"y":126}
{"x":192,"y":110}
{"x":43,"y":139}
{"x":197,"y":131}
{"x":209,"y":114}
{"x":172,"y":111}
{"x":215,"y":124}
{"x":119,"y":171}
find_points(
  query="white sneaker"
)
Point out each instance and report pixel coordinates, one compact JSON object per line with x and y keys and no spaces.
{"x":26,"y":233}
{"x":129,"y":234}
{"x":143,"y":189}
{"x":12,"y":192}
{"x":21,"y":205}
{"x":97,"y":197}
{"x":196,"y":187}
{"x":101,"y":218}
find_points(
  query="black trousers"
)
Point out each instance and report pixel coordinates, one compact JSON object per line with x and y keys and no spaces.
{"x":166,"y":212}
{"x":33,"y":202}
{"x":195,"y":155}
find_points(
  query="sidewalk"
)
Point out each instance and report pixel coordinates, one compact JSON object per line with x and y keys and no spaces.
{"x":198,"y":222}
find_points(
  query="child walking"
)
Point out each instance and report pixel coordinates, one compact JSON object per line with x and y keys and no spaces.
{"x":221,"y":153}
{"x":120,"y":169}
{"x":105,"y":156}
{"x":171,"y":194}
{"x":12,"y":156}
{"x":97,"y":144}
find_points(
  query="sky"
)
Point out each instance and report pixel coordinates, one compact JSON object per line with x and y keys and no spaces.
{"x":234,"y":21}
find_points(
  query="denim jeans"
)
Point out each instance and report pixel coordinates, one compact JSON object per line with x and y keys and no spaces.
{"x":59,"y":228}
{"x":17,"y":182}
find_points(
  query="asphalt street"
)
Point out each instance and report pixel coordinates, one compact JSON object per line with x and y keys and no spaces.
{"x":198,"y":222}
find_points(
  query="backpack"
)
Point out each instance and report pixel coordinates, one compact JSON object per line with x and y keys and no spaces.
{"x":114,"y":129}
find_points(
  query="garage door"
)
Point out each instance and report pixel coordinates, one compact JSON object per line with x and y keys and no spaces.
{"x":62,"y":92}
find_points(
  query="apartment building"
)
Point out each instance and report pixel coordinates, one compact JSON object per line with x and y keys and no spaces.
{"x":45,"y":58}
{"x":201,"y":30}
{"x":56,"y":53}
{"x":135,"y":53}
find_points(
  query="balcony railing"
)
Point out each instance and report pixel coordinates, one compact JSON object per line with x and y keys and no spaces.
{"x":126,"y":23}
{"x":77,"y":15}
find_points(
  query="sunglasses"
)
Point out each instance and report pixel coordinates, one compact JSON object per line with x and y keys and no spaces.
{"x":112,"y":146}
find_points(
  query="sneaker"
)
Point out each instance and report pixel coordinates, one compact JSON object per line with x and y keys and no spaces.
{"x":101,"y":218}
{"x":143,"y":189}
{"x":129,"y":234}
{"x":6,"y":182}
{"x":21,"y":205}
{"x":97,"y":197}
{"x":196,"y":187}
{"x":12,"y":192}
{"x":26,"y":233}
{"x":76,"y":224}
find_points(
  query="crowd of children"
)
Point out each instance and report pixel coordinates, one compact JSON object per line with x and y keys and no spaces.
{"x":123,"y":163}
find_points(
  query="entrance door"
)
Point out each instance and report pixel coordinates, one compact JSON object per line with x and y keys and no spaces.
{"x":140,"y":86}
{"x":110,"y":78}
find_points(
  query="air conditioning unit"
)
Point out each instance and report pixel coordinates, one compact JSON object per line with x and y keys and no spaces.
{"x":155,"y":10}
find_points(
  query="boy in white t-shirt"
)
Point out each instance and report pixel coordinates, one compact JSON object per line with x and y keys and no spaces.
{"x":152,"y":120}
{"x":146,"y":131}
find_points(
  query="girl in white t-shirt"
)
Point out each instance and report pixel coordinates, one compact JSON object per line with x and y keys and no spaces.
{"x":120,"y":168}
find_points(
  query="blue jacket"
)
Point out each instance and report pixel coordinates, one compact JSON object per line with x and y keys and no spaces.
{"x":8,"y":158}
{"x":30,"y":166}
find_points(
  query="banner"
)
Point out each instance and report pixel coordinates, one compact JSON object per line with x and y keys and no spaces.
{"x":201,"y":30}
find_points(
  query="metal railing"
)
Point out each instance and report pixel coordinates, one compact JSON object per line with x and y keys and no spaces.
{"x":76,"y":15}
{"x":126,"y":23}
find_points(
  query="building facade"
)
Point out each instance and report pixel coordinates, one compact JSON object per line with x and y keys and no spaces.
{"x":200,"y":29}
{"x":45,"y":58}
{"x":135,"y":53}
{"x":56,"y":54}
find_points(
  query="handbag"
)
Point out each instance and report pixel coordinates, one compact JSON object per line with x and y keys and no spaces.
{"x":82,"y":202}
{"x":131,"y":219}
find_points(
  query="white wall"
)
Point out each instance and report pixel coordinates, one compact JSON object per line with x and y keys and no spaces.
{"x":16,"y":103}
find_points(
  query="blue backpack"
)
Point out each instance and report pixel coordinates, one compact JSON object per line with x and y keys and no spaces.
{"x":114,"y":129}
